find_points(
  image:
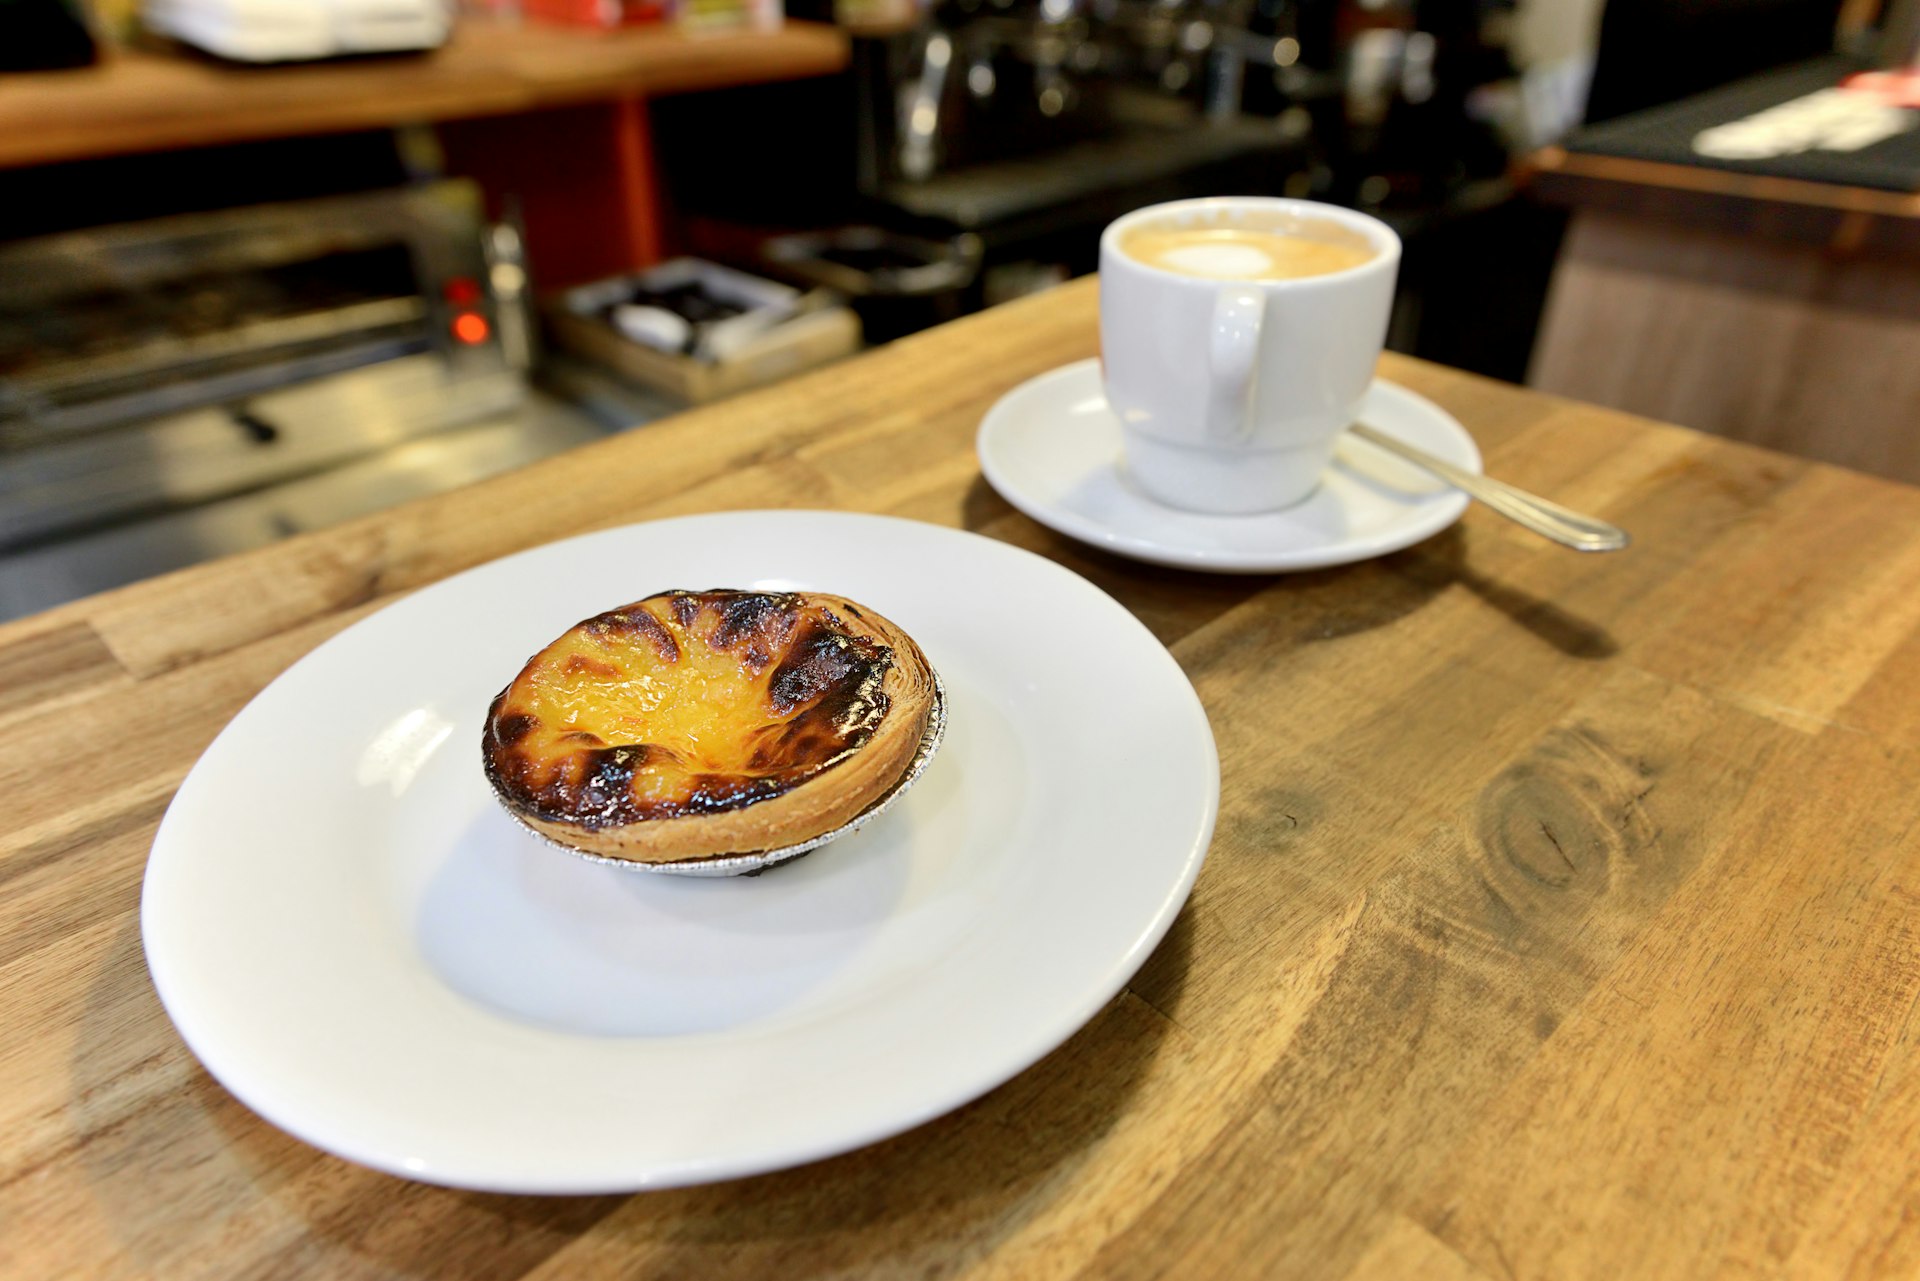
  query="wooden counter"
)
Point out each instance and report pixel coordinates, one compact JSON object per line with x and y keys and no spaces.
{"x":1843,"y":219}
{"x":1776,"y":311}
{"x":138,"y":101}
{"x":1563,"y":917}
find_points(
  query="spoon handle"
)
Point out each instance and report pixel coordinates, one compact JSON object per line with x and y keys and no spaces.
{"x":1562,"y":524}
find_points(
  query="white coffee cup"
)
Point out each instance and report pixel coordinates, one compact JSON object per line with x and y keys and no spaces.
{"x":1232,"y":392}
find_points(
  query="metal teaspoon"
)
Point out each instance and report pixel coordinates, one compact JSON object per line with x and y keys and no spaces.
{"x":1562,"y":524}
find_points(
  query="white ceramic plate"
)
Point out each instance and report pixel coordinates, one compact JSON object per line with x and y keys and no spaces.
{"x":1052,"y":448}
{"x":361,"y":946}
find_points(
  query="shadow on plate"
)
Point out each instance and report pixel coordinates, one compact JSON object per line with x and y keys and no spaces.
{"x":541,"y":937}
{"x":955,"y":1187}
{"x":182,"y":1179}
{"x":544,"y":938}
{"x":186,"y":1179}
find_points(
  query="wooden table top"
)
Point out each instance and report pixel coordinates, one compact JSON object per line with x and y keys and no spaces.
{"x":143,"y":101}
{"x":1563,"y":918}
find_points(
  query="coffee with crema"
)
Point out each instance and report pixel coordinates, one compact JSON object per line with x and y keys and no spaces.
{"x":1249,"y":253}
{"x":1238,"y":337}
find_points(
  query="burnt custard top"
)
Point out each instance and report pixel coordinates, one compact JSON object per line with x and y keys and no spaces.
{"x":687,"y":703}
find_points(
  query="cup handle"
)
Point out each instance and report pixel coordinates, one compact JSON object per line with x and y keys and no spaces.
{"x":1233,"y":343}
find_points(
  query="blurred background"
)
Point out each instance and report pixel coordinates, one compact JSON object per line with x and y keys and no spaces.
{"x":267,"y":265}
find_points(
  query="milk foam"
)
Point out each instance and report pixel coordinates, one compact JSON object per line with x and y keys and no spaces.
{"x":1249,"y":253}
{"x":1227,"y":261}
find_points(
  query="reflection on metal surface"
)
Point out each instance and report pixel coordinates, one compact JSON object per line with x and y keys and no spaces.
{"x":75,"y":394}
{"x":202,"y":455}
{"x":923,"y":111}
{"x":45,"y":576}
{"x":191,"y":386}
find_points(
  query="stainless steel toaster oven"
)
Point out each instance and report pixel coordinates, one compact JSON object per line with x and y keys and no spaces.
{"x":185,"y":387}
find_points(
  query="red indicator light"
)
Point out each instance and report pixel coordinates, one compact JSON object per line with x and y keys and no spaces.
{"x":471,"y":328}
{"x":461,"y":291}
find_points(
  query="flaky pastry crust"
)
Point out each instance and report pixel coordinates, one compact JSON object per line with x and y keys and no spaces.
{"x":698,"y":725}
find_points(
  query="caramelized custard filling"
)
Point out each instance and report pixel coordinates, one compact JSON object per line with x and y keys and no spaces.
{"x":685,"y":703}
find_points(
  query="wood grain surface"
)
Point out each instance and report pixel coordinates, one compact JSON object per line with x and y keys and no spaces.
{"x":1825,"y":214}
{"x":1561,"y":920}
{"x":1773,"y":342}
{"x":142,"y":101}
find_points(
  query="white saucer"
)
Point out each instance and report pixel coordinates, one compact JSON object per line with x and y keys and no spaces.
{"x":1052,"y":448}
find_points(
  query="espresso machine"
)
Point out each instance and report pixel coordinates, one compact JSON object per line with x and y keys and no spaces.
{"x":994,"y":138}
{"x":982,"y":147}
{"x":1336,"y":85}
{"x":1031,"y":123}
